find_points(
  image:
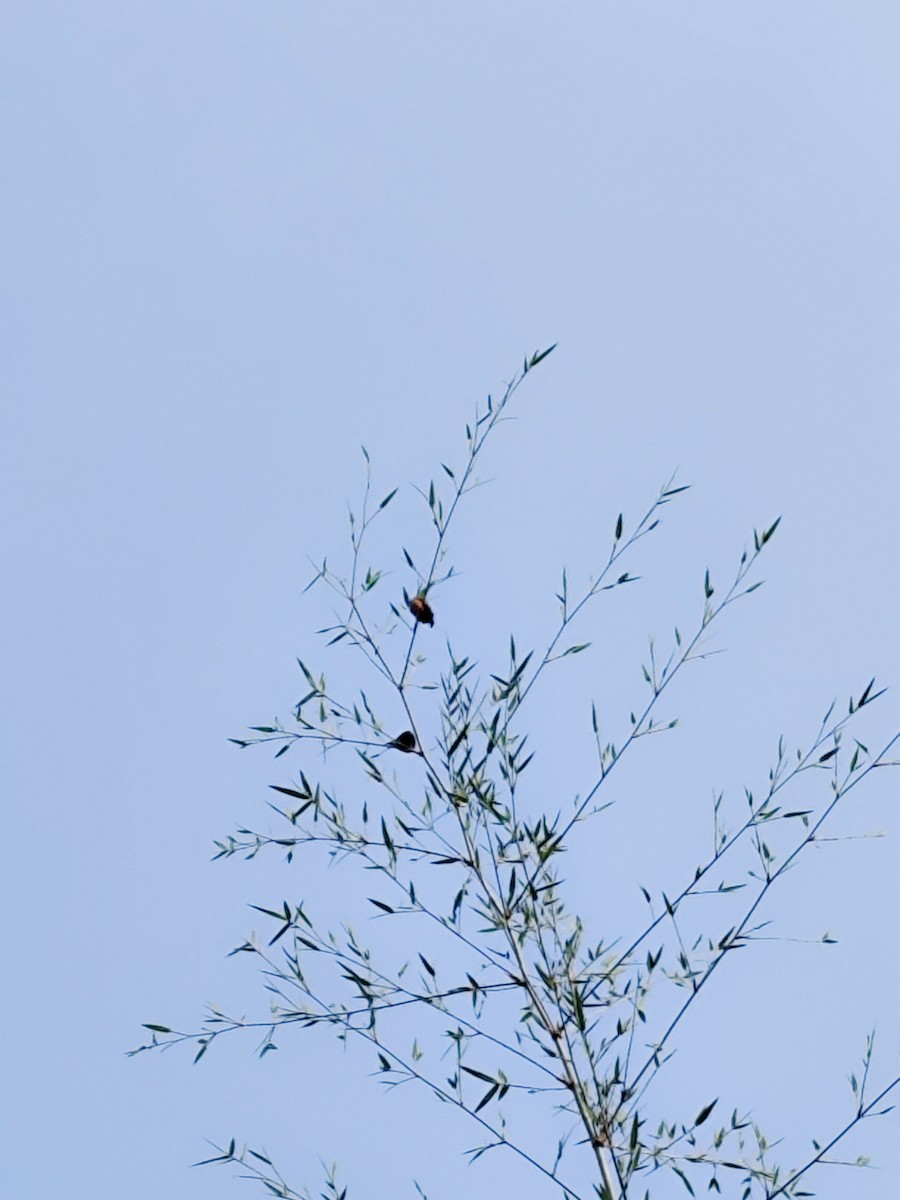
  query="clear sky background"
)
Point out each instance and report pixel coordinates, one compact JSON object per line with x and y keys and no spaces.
{"x":239,"y":240}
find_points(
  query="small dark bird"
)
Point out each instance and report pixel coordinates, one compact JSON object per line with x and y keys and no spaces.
{"x":405,"y":742}
{"x":421,"y":610}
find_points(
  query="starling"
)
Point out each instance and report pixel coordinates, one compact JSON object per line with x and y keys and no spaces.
{"x":421,"y":610}
{"x":405,"y":742}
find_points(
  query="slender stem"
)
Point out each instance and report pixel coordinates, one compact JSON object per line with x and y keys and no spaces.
{"x":735,"y":938}
{"x":638,"y":728}
{"x":859,"y":1116}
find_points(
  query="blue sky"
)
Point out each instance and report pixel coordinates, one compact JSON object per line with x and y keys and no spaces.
{"x":242,"y":240}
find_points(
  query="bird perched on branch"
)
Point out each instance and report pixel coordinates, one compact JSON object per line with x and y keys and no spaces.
{"x":406,"y":742}
{"x":421,"y":610}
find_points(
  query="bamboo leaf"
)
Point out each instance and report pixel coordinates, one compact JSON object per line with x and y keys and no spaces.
{"x":539,"y":357}
{"x":704,"y":1113}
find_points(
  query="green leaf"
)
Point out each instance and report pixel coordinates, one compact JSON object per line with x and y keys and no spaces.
{"x":704,"y":1113}
{"x":380,"y":904}
{"x":158,"y":1028}
{"x":487,"y":1097}
{"x":684,"y":1179}
{"x":539,"y":357}
{"x":619,"y":527}
{"x":289,"y":792}
{"x":281,"y":932}
{"x":479,"y":1075}
{"x":457,"y":741}
{"x":765,"y":537}
{"x":309,"y":678}
{"x":388,"y":498}
{"x":267,"y":912}
{"x":205,"y":1162}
